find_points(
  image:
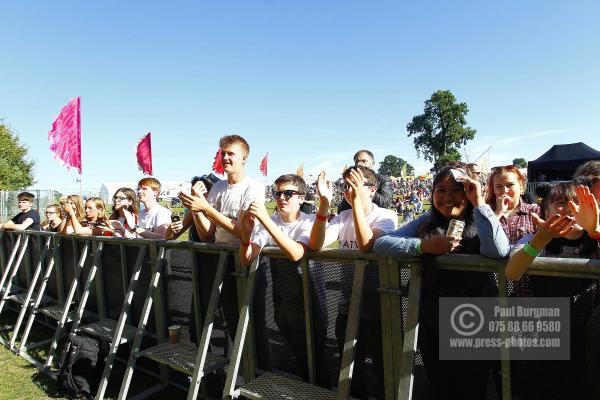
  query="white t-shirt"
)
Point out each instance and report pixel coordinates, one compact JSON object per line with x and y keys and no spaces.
{"x":150,"y":220}
{"x":343,"y":224}
{"x":298,"y":230}
{"x":230,"y":200}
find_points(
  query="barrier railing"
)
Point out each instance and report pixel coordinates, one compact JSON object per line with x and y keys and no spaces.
{"x":302,"y":319}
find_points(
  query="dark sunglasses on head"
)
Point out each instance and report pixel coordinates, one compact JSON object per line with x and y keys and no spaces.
{"x":287,"y":194}
{"x":505,"y":168}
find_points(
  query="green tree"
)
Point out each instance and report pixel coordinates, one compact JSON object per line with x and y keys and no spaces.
{"x":520,"y":162}
{"x":441,"y":130}
{"x":16,"y":171}
{"x":395,"y":166}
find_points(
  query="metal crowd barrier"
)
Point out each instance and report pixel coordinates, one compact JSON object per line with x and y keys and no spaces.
{"x":152,"y":284}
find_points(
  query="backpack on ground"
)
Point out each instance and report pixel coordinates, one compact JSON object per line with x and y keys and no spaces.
{"x":80,"y":366}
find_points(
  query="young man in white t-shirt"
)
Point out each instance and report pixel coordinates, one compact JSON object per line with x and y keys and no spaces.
{"x":154,"y":218}
{"x":218,"y":216}
{"x":289,"y":229}
{"x":356,"y":229}
{"x":220,"y":213}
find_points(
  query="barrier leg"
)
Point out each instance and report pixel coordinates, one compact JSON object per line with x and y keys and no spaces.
{"x":13,"y":273}
{"x":405,"y":387}
{"x":345,"y":380}
{"x":36,"y":304}
{"x":10,"y":261}
{"x":116,"y":341}
{"x":156,"y":276}
{"x":240,"y":333}
{"x":96,"y":264}
{"x":65,"y":313}
{"x":34,"y":279}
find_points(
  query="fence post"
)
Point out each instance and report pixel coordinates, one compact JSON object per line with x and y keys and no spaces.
{"x":405,"y":387}
{"x":345,"y":380}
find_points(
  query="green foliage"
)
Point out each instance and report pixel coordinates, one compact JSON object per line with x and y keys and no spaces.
{"x":16,"y":171}
{"x":441,"y":130}
{"x":520,"y":162}
{"x":395,"y":166}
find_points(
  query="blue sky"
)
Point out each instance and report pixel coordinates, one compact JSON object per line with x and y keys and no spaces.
{"x":307,"y":81}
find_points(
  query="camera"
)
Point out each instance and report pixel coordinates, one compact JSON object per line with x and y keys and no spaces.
{"x":344,"y":187}
{"x":175,"y":218}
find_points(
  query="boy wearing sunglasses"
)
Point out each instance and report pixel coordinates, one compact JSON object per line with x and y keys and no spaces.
{"x":356,"y":229}
{"x":289,"y":229}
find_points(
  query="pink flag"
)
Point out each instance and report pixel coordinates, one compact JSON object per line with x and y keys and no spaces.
{"x":217,"y":166}
{"x":65,"y":136}
{"x":144,"y":154}
{"x":263,"y":164}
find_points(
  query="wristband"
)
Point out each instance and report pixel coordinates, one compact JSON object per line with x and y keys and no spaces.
{"x":595,"y":237}
{"x":246,"y":244}
{"x":320,"y":217}
{"x":419,"y":251}
{"x":529,"y":250}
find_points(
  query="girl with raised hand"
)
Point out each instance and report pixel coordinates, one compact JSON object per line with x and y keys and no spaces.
{"x":455,"y":196}
{"x":505,"y":187}
{"x":75,"y":203}
{"x":125,"y":213}
{"x":53,"y":218}
{"x":95,"y":221}
{"x":559,"y":235}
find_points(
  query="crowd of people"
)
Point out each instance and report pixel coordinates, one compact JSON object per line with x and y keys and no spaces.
{"x":498,"y":223}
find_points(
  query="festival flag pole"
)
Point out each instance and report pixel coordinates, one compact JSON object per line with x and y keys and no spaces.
{"x":65,"y":137}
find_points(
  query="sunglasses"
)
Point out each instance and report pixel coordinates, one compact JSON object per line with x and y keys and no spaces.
{"x":120,"y":198}
{"x":287,"y":194}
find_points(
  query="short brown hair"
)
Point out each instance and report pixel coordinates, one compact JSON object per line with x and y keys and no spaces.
{"x":152,"y":183}
{"x":292,"y":180}
{"x":229,"y":140}
{"x":367,"y":152}
{"x":590,"y":169}
{"x":368,"y":173}
{"x":26,"y":196}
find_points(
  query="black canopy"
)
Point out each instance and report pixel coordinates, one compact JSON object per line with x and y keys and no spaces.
{"x":561,"y":161}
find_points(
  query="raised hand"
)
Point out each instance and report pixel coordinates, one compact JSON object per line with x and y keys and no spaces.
{"x":586,"y":213}
{"x":258,"y":210}
{"x":556,"y":226}
{"x":173,"y":229}
{"x":324,"y":188}
{"x":473,"y":191}
{"x":193,"y":203}
{"x":68,"y":210}
{"x":199,"y":189}
{"x":502,"y":203}
{"x":356,"y":181}
{"x":248,"y":221}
